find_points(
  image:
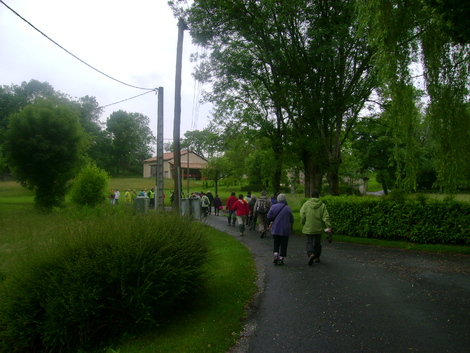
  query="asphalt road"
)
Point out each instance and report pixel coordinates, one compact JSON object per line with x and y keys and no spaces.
{"x":358,"y":299}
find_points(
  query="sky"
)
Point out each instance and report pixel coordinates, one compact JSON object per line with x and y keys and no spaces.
{"x":131,"y":41}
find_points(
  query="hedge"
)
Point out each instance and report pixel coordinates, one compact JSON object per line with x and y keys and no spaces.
{"x":421,"y":221}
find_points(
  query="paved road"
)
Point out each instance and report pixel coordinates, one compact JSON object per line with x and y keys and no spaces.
{"x":358,"y":299}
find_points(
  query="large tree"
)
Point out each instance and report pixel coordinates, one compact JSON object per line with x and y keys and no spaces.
{"x":14,"y":98}
{"x":45,"y":146}
{"x":419,"y":36}
{"x":305,"y":62}
{"x":130,"y":141}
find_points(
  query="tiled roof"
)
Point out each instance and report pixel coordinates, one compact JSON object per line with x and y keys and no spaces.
{"x":191,"y":165}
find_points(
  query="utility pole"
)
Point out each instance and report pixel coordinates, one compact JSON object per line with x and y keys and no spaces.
{"x":159,"y":172}
{"x":177,"y":120}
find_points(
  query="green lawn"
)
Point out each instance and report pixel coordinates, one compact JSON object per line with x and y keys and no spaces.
{"x":215,"y":321}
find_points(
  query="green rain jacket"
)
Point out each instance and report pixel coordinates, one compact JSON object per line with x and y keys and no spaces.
{"x":314,"y":217}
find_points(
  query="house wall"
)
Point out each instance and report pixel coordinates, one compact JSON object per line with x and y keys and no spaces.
{"x":193,"y":158}
{"x":146,"y":170}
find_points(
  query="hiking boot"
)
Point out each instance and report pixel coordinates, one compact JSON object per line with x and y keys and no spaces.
{"x":310,"y":259}
{"x":276,"y":258}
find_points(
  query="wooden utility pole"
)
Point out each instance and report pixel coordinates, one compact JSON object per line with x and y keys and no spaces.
{"x":177,"y":120}
{"x":159,"y":172}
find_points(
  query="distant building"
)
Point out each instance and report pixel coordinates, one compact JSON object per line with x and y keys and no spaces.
{"x":196,"y":164}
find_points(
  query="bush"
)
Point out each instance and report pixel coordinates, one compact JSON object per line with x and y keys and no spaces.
{"x":98,"y":281}
{"x":90,"y":187}
{"x":396,"y":218}
{"x":253,"y":188}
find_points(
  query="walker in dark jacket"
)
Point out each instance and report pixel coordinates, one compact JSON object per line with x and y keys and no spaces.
{"x":282,"y":219}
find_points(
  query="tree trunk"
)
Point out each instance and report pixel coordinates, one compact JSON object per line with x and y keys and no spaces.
{"x":313,"y":175}
{"x":333,"y":175}
{"x":333,"y":182}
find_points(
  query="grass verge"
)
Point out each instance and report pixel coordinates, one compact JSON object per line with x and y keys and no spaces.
{"x":215,"y":322}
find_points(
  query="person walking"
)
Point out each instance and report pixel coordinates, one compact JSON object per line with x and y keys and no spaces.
{"x":151,"y":195}
{"x":247,"y":198}
{"x":229,"y":207}
{"x":111,"y":196}
{"x":127,"y":196}
{"x":251,"y":218}
{"x":217,"y":203}
{"x":205,"y":204}
{"x":133,"y":196}
{"x":282,"y":224}
{"x":262,"y":206}
{"x":242,"y":210}
{"x":211,"y":200}
{"x":117,"y":194}
{"x":273,"y":199}
{"x":315,"y":220}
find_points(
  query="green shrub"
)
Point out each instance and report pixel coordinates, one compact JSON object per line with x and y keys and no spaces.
{"x":90,"y":187}
{"x":397,"y":218}
{"x":253,"y":188}
{"x":98,"y":281}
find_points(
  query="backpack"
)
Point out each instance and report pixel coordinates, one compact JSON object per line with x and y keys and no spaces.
{"x":261,"y":206}
{"x":205,"y":201}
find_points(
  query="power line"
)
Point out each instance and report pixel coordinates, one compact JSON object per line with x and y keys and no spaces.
{"x":127,"y":99}
{"x":76,"y":57}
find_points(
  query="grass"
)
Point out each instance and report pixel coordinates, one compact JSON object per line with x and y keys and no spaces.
{"x":373,"y":185}
{"x":215,"y":321}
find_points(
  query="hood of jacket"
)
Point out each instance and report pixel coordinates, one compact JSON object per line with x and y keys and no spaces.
{"x":314,"y":203}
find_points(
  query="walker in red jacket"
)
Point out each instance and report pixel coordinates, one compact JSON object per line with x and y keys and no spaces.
{"x":242,"y":210}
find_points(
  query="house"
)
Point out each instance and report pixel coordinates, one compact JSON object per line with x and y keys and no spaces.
{"x":190,"y":160}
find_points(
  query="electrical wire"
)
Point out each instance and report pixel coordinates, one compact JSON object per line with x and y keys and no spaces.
{"x":76,"y":57}
{"x":127,"y":99}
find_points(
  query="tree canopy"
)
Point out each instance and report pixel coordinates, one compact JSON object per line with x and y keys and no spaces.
{"x":45,"y":146}
{"x":299,"y":68}
{"x":300,"y":72}
{"x":130,"y":141}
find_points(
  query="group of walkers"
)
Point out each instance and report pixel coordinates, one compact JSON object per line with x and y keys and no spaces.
{"x":208,"y":201}
{"x":275,"y":215}
{"x":130,"y":196}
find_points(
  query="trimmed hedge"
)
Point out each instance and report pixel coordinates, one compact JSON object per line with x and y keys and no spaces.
{"x":421,"y":221}
{"x":96,"y":281}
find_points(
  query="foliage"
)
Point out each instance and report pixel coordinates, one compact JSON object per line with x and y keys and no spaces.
{"x":451,"y":17}
{"x":373,"y":148}
{"x":298,"y":71}
{"x":90,"y":187}
{"x":100,"y":279}
{"x":216,"y":169}
{"x":409,"y":36}
{"x":14,"y":98}
{"x":130,"y":141}
{"x":206,"y":142}
{"x":45,"y":145}
{"x":398,"y":218}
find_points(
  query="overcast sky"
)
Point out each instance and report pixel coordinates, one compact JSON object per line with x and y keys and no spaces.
{"x":131,"y":41}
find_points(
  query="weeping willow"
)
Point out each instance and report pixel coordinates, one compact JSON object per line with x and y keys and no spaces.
{"x":406,"y":36}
